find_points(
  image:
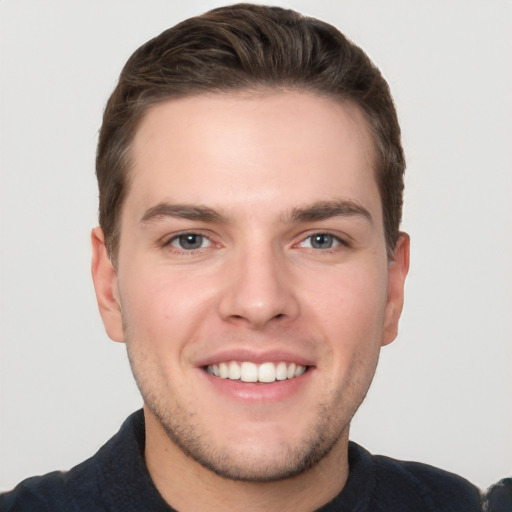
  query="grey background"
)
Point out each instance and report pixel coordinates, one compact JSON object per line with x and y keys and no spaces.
{"x":443,"y":390}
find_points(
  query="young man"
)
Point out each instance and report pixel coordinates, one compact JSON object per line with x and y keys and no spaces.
{"x":249,"y":256}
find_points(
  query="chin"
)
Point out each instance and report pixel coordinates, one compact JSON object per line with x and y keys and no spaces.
{"x":262,"y":454}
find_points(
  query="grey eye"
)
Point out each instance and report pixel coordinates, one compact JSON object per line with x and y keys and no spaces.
{"x":322,"y":241}
{"x":189,"y":241}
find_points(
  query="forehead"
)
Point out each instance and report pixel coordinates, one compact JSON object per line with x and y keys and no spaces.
{"x":244,"y":149}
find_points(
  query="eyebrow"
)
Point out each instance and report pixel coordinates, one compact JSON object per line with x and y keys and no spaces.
{"x":182,"y":211}
{"x":323,"y":210}
{"x":320,"y":210}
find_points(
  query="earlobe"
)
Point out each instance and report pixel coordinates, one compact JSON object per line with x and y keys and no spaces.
{"x":397,"y":273}
{"x":104,"y":277}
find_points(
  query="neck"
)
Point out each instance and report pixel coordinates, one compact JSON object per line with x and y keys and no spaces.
{"x":187,"y":486}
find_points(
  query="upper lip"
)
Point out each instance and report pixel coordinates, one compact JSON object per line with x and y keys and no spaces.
{"x":254,"y":356}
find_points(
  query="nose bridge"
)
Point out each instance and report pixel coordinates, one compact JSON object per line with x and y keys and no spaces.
{"x":258,"y":287}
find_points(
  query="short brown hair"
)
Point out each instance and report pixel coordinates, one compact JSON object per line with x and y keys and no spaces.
{"x":240,"y":47}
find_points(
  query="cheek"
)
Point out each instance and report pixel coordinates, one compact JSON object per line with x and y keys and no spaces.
{"x":159,"y":307}
{"x":351,"y":307}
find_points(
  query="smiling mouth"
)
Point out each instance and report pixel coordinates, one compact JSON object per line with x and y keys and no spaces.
{"x":250,"y":372}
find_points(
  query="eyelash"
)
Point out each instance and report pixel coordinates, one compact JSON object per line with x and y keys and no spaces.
{"x":337,"y":241}
{"x":175,"y":238}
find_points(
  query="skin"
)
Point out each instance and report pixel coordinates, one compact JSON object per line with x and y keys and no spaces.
{"x":269,"y":171}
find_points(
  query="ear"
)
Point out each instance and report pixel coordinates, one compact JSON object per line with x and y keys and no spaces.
{"x":397,"y":272}
{"x":104,"y":277}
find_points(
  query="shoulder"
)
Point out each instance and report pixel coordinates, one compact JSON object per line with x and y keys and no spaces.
{"x":39,"y":494}
{"x":444,"y":490}
{"x":498,"y":497}
{"x":54,"y":491}
{"x":84,"y":487}
{"x":419,"y":486}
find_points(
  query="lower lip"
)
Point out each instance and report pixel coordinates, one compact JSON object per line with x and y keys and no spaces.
{"x":258,"y":392}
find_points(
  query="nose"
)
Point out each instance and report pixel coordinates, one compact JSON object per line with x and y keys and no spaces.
{"x":258,"y":289}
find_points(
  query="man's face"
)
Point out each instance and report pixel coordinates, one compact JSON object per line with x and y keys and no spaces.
{"x":252,"y":246}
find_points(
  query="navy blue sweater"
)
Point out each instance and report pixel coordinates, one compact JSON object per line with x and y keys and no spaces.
{"x":116,"y":480}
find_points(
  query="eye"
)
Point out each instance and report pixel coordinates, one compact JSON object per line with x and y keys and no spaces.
{"x":189,"y":241}
{"x":321,"y":241}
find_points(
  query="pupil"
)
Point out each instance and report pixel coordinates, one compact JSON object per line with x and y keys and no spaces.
{"x":191,"y":241}
{"x":322,"y":241}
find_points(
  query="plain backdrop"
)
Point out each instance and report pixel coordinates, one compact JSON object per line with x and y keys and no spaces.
{"x":442,"y":393}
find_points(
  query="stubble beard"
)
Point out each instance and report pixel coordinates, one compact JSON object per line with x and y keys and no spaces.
{"x":332,"y":424}
{"x":225,"y":462}
{"x":192,"y":438}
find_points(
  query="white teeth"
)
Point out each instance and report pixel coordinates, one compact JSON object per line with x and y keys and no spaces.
{"x":248,"y":372}
{"x":234,"y":371}
{"x":281,"y":371}
{"x":251,"y":372}
{"x":299,"y":370}
{"x":223,"y":371}
{"x":267,"y":372}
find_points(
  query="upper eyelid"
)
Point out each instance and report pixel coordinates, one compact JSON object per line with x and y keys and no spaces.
{"x":337,"y":239}
{"x":167,"y":243}
{"x":342,"y":237}
{"x":188,"y":233}
{"x":173,"y":236}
